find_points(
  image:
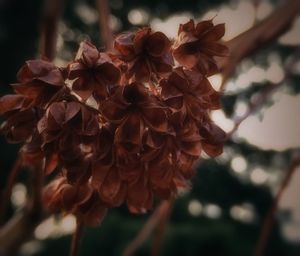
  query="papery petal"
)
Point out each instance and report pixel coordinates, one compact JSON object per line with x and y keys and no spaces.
{"x":139,"y":195}
{"x":202,"y":27}
{"x":76,"y":69}
{"x":95,"y":214}
{"x":57,"y":111}
{"x":157,"y":44}
{"x":187,"y":27}
{"x":140,"y":39}
{"x":168,"y":90}
{"x":108,"y":73}
{"x":161,"y":175}
{"x":111,"y":186}
{"x":68,"y":197}
{"x":215,"y":49}
{"x":90,"y":125}
{"x":10,"y":103}
{"x":191,"y":148}
{"x":155,"y":118}
{"x":87,"y":54}
{"x":215,"y":33}
{"x":112,"y":110}
{"x":135,"y":93}
{"x":124,"y":45}
{"x":206,"y":65}
{"x":140,"y":70}
{"x":42,"y":70}
{"x":186,"y":55}
{"x":162,"y":64}
{"x":72,"y":109}
{"x":213,"y":139}
{"x":51,"y":163}
{"x":179,"y":80}
{"x":105,"y":143}
{"x":194,"y":107}
{"x":130,"y":130}
{"x":19,"y":126}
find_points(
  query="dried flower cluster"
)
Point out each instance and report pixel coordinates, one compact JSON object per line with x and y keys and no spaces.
{"x":119,"y":126}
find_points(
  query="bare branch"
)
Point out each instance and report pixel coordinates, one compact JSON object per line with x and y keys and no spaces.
{"x":258,"y":36}
{"x":104,"y":17}
{"x":21,"y":226}
{"x":9,"y":184}
{"x":148,"y":228}
{"x":161,"y":229}
{"x":266,"y":92}
{"x":52,"y":14}
{"x":76,"y":239}
{"x":269,"y":219}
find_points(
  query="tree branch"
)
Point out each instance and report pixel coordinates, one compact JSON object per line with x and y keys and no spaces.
{"x":148,"y":227}
{"x":76,"y":239}
{"x":104,"y":18}
{"x":52,"y":14}
{"x":21,"y":226}
{"x":7,"y":192}
{"x":269,"y":219}
{"x":257,"y":37}
{"x":266,"y":92}
{"x":161,"y":229}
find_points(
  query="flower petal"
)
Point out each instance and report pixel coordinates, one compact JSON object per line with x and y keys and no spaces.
{"x":130,"y":130}
{"x":157,"y":44}
{"x":155,"y":118}
{"x":124,"y":45}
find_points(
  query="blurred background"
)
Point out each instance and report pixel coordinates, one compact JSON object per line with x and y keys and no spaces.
{"x":222,"y":214}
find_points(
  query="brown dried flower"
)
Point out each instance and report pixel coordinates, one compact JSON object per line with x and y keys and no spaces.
{"x":146,"y":52}
{"x":92,"y":72}
{"x":137,"y":129}
{"x":197,"y":45}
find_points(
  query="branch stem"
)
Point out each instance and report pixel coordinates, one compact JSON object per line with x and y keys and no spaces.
{"x":148,"y":228}
{"x":10,"y":182}
{"x":270,"y":217}
{"x":76,"y":239}
{"x":104,"y":18}
{"x":257,"y":37}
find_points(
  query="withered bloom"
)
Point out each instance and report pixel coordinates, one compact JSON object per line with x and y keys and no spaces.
{"x":92,"y":72}
{"x":138,"y":128}
{"x":197,"y":45}
{"x":68,"y":129}
{"x":213,"y":138}
{"x":146,"y":52}
{"x":134,"y":110}
{"x":40,"y":81}
{"x":82,"y":201}
{"x":189,"y":94}
{"x":20,"y":118}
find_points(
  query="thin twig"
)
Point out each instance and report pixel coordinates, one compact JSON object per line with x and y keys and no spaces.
{"x":257,"y":37}
{"x":76,"y":239}
{"x":147,"y":229}
{"x":37,"y":186}
{"x":266,"y":92}
{"x":48,"y":38}
{"x":7,"y":192}
{"x":269,"y":219}
{"x":255,"y":106}
{"x":21,"y":226}
{"x":161,"y":229}
{"x":104,"y":18}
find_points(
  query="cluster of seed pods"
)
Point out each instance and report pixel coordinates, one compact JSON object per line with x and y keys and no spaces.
{"x":121,"y":126}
